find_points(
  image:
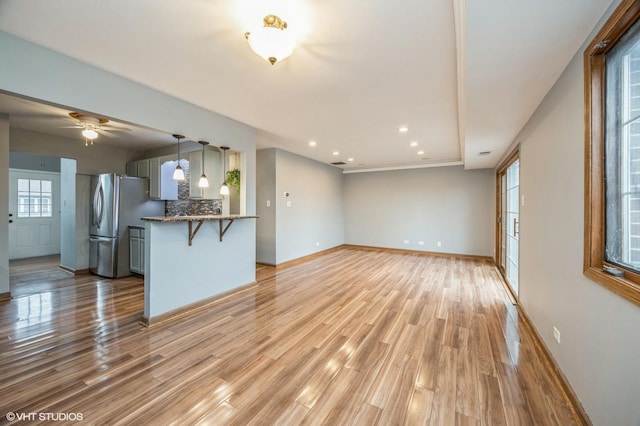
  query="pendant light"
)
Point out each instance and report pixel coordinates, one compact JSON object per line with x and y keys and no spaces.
{"x":178,"y":173}
{"x":224,"y":189}
{"x":203,"y":182}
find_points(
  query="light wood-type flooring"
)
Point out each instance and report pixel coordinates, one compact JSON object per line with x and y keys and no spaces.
{"x":352,"y":337}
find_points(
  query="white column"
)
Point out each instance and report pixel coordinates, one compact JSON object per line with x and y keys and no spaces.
{"x":4,"y":201}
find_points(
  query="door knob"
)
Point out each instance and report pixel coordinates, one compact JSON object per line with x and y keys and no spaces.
{"x":10,"y":214}
{"x":10,"y":221}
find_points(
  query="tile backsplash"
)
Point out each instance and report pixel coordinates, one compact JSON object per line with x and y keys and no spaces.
{"x":184,"y":206}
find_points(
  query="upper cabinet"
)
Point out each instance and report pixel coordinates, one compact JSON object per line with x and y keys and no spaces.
{"x":213,"y":171}
{"x":161,"y":183}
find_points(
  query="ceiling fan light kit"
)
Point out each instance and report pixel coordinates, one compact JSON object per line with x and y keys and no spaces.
{"x":272,"y":41}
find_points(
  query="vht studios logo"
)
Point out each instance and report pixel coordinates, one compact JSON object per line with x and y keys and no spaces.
{"x":43,"y":417}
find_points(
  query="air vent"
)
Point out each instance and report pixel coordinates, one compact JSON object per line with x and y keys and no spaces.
{"x":339,"y":163}
{"x":483,"y":153}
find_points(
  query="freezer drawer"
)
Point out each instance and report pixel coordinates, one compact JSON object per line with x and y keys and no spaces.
{"x":103,"y":256}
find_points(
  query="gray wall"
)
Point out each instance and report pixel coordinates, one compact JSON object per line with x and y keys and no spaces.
{"x":92,"y":160}
{"x":600,"y":331}
{"x":446,"y":204}
{"x":313,"y":222}
{"x":266,"y":191}
{"x":4,"y":201}
{"x":68,"y":225}
{"x":33,"y":71}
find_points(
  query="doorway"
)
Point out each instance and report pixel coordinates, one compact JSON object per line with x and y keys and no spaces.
{"x":508,"y":219}
{"x":34,"y":213}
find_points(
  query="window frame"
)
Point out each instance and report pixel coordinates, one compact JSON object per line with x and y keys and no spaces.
{"x":628,"y":286}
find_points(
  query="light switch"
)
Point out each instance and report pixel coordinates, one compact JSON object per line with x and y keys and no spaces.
{"x":288,"y":203}
{"x":268,"y":203}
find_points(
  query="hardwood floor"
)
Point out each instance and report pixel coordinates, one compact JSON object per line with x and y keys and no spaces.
{"x":352,"y":337}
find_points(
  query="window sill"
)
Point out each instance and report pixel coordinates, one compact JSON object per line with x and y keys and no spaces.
{"x":621,"y":286}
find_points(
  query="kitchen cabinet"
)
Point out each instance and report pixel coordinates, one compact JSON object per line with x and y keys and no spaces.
{"x":213,"y":171}
{"x":136,"y":250}
{"x":138,"y":168}
{"x":161,"y":183}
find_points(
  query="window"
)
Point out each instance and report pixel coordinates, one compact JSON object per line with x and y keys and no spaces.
{"x":35,"y":198}
{"x":612,"y":162}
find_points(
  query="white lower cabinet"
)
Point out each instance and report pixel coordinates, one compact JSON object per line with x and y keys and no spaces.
{"x":136,"y":250}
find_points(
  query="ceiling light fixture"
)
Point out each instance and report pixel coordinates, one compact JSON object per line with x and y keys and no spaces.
{"x":272,"y":41}
{"x":350,"y":160}
{"x":89,"y":133}
{"x":413,"y":144}
{"x":336,"y":153}
{"x":312,"y":143}
{"x":403,"y":129}
{"x":178,"y":173}
{"x":420,"y":152}
{"x":224,"y":189}
{"x":203,"y":182}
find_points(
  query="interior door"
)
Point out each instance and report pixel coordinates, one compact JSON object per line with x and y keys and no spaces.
{"x":508,"y":242}
{"x":34,"y":209}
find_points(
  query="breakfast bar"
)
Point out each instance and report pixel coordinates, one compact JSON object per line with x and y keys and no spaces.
{"x":183,"y":272}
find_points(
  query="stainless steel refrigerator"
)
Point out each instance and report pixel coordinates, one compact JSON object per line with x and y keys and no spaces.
{"x":117,"y":203}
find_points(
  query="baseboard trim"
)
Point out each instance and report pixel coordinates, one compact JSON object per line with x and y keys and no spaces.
{"x":194,"y":307}
{"x":303,"y":259}
{"x":561,"y":380}
{"x":419,"y":252}
{"x":5,"y":296}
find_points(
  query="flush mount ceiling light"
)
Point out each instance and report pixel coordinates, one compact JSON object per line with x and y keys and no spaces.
{"x":272,"y":41}
{"x":178,"y":173}
{"x":203,"y":182}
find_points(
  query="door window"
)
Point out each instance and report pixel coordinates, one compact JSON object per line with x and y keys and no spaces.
{"x":35,"y":198}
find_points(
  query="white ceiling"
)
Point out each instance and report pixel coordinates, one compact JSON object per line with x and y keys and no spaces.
{"x":463,"y":77}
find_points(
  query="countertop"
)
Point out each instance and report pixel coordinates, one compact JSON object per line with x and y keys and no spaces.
{"x":173,"y":219}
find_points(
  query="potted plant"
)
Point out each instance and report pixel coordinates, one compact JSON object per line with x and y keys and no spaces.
{"x":233,"y":179}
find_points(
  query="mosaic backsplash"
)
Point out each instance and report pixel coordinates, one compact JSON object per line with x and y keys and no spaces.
{"x":184,"y":206}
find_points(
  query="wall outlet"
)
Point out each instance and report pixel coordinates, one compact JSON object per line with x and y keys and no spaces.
{"x":556,"y":334}
{"x":268,"y":203}
{"x":420,"y":243}
{"x":406,"y":241}
{"x":439,"y":243}
{"x":288,"y":203}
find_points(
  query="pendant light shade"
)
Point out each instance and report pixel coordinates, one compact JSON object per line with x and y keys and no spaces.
{"x":203,"y":182}
{"x":178,"y":173}
{"x":224,"y":189}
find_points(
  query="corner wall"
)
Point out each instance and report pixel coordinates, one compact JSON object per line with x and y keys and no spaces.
{"x":446,"y":204}
{"x":4,"y":200}
{"x":600,"y":331}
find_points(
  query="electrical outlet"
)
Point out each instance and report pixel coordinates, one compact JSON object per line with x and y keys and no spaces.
{"x":439,"y":243}
{"x":288,"y":203}
{"x":556,"y":334}
{"x":268,"y":203}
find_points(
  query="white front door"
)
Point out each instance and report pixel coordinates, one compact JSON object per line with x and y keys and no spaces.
{"x":34,"y":213}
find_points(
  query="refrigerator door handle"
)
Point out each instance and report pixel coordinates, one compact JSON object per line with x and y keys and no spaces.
{"x":100,"y":239}
{"x":98,"y":204}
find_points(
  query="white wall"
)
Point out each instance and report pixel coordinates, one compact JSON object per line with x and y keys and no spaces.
{"x":446,"y":204}
{"x":600,"y":331}
{"x":315,"y":219}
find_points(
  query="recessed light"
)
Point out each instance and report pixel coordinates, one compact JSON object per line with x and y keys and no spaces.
{"x":336,"y":153}
{"x":312,"y":143}
{"x":420,"y":152}
{"x":403,"y":129}
{"x":350,"y":159}
{"x":413,"y":144}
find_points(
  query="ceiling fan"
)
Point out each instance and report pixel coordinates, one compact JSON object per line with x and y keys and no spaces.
{"x":93,"y":126}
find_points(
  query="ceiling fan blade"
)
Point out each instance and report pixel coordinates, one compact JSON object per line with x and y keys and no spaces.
{"x":111,"y":128}
{"x":106,"y":133}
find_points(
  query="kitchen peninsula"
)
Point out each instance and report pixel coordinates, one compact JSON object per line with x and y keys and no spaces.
{"x":183,"y":271}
